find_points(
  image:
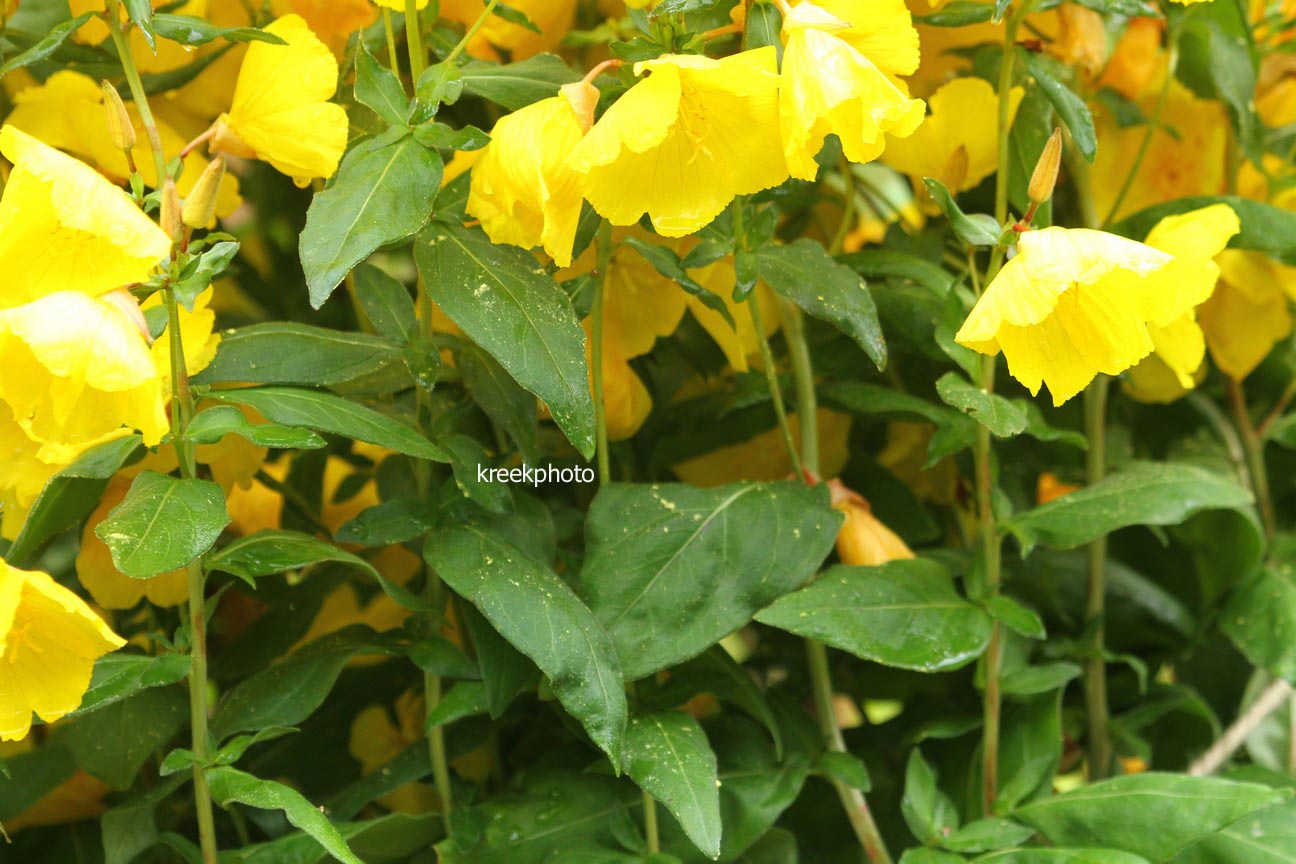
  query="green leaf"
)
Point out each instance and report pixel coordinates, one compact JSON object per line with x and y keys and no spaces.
{"x":985,"y":835}
{"x":284,"y":352}
{"x":503,"y":399}
{"x":960,"y":13}
{"x":516,"y":85}
{"x":114,"y":742}
{"x":1154,"y":815}
{"x":845,"y":768}
{"x":119,"y":676}
{"x":1061,"y":856}
{"x":1015,"y":616}
{"x":764,"y":26}
{"x":929,"y":812}
{"x":668,"y":263}
{"x":535,"y":611}
{"x":379,"y":89}
{"x":1218,"y":61}
{"x":1144,"y":493}
{"x":894,"y":264}
{"x":71,"y":495}
{"x":804,"y":273}
{"x":505,"y":671}
{"x":1033,"y":680}
{"x":191,"y":31}
{"x":163,"y":524}
{"x":466,"y":456}
{"x":668,"y":755}
{"x":715,"y":672}
{"x":382,"y":194}
{"x":671,"y":569}
{"x":903,"y":613}
{"x":1070,"y":107}
{"x":140,"y":13}
{"x":386,"y":303}
{"x":325,"y":412}
{"x":47,"y":45}
{"x":509,"y":306}
{"x":1266,"y":837}
{"x":1261,"y":620}
{"x":229,"y":786}
{"x":978,"y":229}
{"x":1265,"y":228}
{"x":399,"y":520}
{"x":465,"y":699}
{"x":213,"y":424}
{"x":439,"y":136}
{"x":994,"y":412}
{"x":1283,"y":432}
{"x":395,"y":837}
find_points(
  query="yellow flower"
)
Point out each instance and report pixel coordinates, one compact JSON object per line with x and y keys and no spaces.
{"x":1185,"y":157}
{"x":67,"y":112}
{"x":1135,"y":59}
{"x":1075,"y":303}
{"x":832,"y":86}
{"x":864,"y":541}
{"x":399,"y":5}
{"x":1050,"y":487}
{"x":626,"y":402}
{"x":523,"y":190}
{"x":77,"y":370}
{"x":376,"y":740}
{"x":740,"y":342}
{"x":1082,"y":38}
{"x":281,"y":113}
{"x":958,"y":143}
{"x":111,"y":588}
{"x":25,"y":467}
{"x":196,"y":334}
{"x":1194,"y":239}
{"x":684,"y":141}
{"x":1249,"y":312}
{"x":553,"y":17}
{"x":333,"y":21}
{"x":51,"y":639}
{"x":63,"y":227}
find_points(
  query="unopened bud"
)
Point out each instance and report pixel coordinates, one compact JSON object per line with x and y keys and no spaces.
{"x":124,"y":301}
{"x":200,"y":204}
{"x":1046,"y":170}
{"x":956,"y":169}
{"x":170,"y":220}
{"x":583,"y":98}
{"x":121,"y":131}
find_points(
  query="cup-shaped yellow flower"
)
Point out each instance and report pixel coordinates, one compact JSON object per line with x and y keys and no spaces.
{"x":523,"y":190}
{"x":63,"y":227}
{"x":831,"y":86}
{"x":1249,"y":312}
{"x":958,"y":143}
{"x":684,"y":141}
{"x":281,"y":113}
{"x":51,"y":639}
{"x":1075,"y":303}
{"x":78,"y":370}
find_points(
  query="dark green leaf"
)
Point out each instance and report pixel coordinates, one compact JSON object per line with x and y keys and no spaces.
{"x":141,"y":13}
{"x":120,"y":676}
{"x":503,"y":399}
{"x":383,"y":193}
{"x":803,"y":273}
{"x":904,"y":613}
{"x":386,"y":303}
{"x":1033,"y":680}
{"x":114,"y":742}
{"x":163,"y":524}
{"x":284,"y":352}
{"x":985,"y":835}
{"x":229,"y":786}
{"x":929,"y":812}
{"x":465,"y":699}
{"x":1266,"y":837}
{"x":379,"y":89}
{"x":324,"y":412}
{"x":1015,"y":616}
{"x":1070,"y":107}
{"x":994,"y":412}
{"x":1261,"y":620}
{"x":535,"y":610}
{"x":960,"y":13}
{"x":671,"y":569}
{"x":1143,"y":493}
{"x":1061,"y":856}
{"x":844,"y":768}
{"x":763,"y":27}
{"x":509,"y":306}
{"x":667,"y":754}
{"x":975,"y":230}
{"x":212,"y":424}
{"x":396,"y":521}
{"x":191,"y":31}
{"x":47,"y":45}
{"x":517,"y":85}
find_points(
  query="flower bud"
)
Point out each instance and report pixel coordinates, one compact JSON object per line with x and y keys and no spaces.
{"x":170,"y":219}
{"x":121,"y":131}
{"x":863,"y":540}
{"x":125,"y":301}
{"x":584,"y":98}
{"x":200,"y":204}
{"x":1046,"y":170}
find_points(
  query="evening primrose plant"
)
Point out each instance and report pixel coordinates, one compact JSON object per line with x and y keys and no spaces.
{"x":593,"y":431}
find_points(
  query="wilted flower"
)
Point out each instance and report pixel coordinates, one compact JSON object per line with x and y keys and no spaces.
{"x":863,"y":540}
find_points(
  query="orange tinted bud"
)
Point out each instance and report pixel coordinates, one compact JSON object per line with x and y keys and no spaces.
{"x":121,"y":131}
{"x":583,"y":97}
{"x":1050,"y":488}
{"x":170,"y":218}
{"x":1045,"y":175}
{"x":863,"y":540}
{"x":200,"y":205}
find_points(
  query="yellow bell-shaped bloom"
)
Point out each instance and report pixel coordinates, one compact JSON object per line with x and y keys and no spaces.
{"x":63,"y":227}
{"x":78,"y":370}
{"x":831,"y":86}
{"x":67,"y":112}
{"x":958,"y":143}
{"x":523,"y":190}
{"x":1135,"y":59}
{"x":1194,"y":239}
{"x":1249,"y":312}
{"x":1075,"y":303}
{"x":375,"y":740}
{"x":552,"y":17}
{"x":25,"y":467}
{"x":863,"y":540}
{"x":49,"y":640}
{"x":111,"y":588}
{"x":333,"y":21}
{"x":684,"y":141}
{"x":281,"y":113}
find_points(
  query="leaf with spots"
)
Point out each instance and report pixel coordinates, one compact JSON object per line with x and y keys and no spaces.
{"x":671,"y":569}
{"x":668,"y":755}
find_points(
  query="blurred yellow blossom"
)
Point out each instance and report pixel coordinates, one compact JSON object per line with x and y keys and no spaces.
{"x":1249,"y":312}
{"x":552,"y":17}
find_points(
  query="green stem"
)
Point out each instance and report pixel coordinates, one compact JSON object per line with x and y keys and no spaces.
{"x":1153,"y":124}
{"x":1099,"y":732}
{"x":856,"y":807}
{"x":650,"y":824}
{"x":803,"y":372}
{"x":848,"y":208}
{"x":392,"y":56}
{"x":113,"y":16}
{"x":1007,"y":63}
{"x":414,"y":40}
{"x":776,"y":392}
{"x":472,"y":31}
{"x":1253,"y":446}
{"x":596,"y":352}
{"x":198,"y":713}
